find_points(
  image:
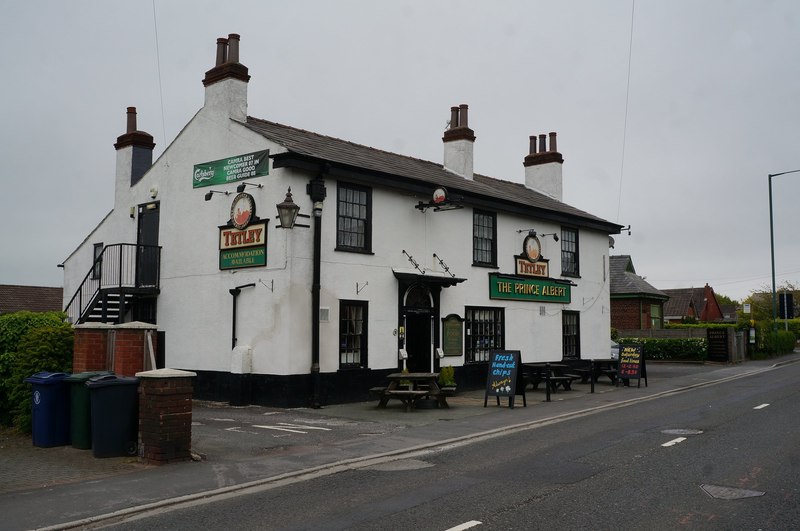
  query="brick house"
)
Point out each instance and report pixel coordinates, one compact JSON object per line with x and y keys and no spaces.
{"x":635,"y":304}
{"x":692,"y":303}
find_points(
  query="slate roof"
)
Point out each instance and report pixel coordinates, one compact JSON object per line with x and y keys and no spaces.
{"x":335,"y":150}
{"x":680,"y":299}
{"x":625,"y":281}
{"x":30,"y":298}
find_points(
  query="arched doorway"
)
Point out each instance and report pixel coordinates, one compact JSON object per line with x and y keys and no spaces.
{"x":418,"y":317}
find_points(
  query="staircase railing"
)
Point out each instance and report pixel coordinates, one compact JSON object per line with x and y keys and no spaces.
{"x":119,"y":267}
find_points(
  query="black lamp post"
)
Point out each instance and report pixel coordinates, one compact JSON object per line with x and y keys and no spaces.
{"x":772,"y":255}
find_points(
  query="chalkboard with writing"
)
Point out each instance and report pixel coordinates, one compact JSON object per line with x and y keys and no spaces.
{"x":502,"y":377}
{"x":631,"y":364}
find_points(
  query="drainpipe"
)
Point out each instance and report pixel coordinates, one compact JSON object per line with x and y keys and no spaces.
{"x":316,"y":189}
{"x":235,"y":292}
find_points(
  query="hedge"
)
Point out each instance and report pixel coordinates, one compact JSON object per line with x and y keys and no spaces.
{"x":685,"y":349}
{"x":29,"y":343}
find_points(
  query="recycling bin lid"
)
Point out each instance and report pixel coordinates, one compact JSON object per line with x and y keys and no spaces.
{"x":111,"y":379}
{"x":46,"y":378}
{"x":84,"y":376}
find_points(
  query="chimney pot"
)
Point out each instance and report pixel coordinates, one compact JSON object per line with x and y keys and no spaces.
{"x":453,"y":117}
{"x":462,"y":116}
{"x":131,"y":120}
{"x":532,"y":150}
{"x":553,"y":141}
{"x":222,"y":51}
{"x":233,"y":48}
{"x":542,"y":143}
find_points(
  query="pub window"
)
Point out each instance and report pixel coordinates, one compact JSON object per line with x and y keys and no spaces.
{"x":570,"y":336}
{"x":569,"y":252}
{"x":97,"y":268}
{"x":352,"y":334}
{"x":484,"y":238}
{"x":484,"y":331}
{"x":353,"y":218}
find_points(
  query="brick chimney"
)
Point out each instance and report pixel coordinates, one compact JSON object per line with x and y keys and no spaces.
{"x":459,"y":141}
{"x":543,"y":168}
{"x":134,"y":153}
{"x":226,"y":83}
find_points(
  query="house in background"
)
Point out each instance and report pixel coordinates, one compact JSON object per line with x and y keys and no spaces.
{"x":635,"y":304}
{"x":30,"y":298}
{"x":692,"y":303}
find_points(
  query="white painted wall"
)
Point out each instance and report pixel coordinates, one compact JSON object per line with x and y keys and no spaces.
{"x":274,"y":317}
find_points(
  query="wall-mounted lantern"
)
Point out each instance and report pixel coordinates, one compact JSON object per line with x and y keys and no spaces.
{"x":287,"y":211}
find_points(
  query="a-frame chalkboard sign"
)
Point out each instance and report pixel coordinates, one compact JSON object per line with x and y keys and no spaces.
{"x":502,"y":378}
{"x":631,"y":365}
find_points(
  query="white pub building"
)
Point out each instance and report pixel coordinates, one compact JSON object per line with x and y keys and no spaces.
{"x":290,"y":268}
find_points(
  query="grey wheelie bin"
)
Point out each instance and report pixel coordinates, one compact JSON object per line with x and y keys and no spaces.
{"x":49,"y":409}
{"x":115,"y":415}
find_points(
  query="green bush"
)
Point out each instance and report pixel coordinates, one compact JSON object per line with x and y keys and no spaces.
{"x":41,"y":349}
{"x":768,"y":343}
{"x":13,"y":328}
{"x":688,"y":349}
{"x":447,"y":376}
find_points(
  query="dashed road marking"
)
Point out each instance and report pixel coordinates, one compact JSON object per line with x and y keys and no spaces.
{"x":465,"y":525}
{"x":673,"y":442}
{"x":292,"y":428}
{"x":762,"y":406}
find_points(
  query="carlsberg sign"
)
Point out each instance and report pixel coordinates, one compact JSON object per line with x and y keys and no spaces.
{"x":231,"y":169}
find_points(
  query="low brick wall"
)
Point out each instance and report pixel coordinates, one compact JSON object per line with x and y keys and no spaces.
{"x":165,"y":415}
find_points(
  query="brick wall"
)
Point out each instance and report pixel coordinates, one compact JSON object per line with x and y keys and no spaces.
{"x":90,"y":349}
{"x":625,"y":314}
{"x":165,"y":415}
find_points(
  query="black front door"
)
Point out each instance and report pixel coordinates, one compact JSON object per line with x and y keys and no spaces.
{"x":418,"y":341}
{"x":147,"y":255}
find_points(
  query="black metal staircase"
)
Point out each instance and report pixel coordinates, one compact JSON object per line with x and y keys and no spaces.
{"x":121,"y":286}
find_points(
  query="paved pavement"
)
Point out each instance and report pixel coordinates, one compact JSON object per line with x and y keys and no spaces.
{"x":250,"y":447}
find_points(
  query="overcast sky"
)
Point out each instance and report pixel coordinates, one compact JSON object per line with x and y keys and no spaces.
{"x":713,"y":107}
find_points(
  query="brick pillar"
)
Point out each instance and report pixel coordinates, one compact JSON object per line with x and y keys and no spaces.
{"x":165,"y":415}
{"x":130,"y":347}
{"x":90,"y":347}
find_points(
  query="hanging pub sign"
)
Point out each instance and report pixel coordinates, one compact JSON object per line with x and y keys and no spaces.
{"x":507,"y":287}
{"x":232,"y":169}
{"x":243,"y":240}
{"x":527,"y":268}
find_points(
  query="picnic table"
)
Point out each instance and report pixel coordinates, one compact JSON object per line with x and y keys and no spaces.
{"x":411,"y":387}
{"x":553,"y":374}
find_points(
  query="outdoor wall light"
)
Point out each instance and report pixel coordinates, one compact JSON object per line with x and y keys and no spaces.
{"x":242,"y":186}
{"x":287,"y":211}
{"x":211,"y":193}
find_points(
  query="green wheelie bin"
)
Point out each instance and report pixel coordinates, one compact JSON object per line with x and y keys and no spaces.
{"x":80,"y":419}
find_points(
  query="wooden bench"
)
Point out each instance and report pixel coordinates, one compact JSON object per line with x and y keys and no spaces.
{"x":407,"y":396}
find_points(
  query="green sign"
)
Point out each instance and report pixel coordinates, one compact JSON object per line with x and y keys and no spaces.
{"x":231,"y":169}
{"x":452,"y":335}
{"x":528,"y":289}
{"x":236,"y":258}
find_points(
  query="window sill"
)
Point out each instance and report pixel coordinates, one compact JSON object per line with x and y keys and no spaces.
{"x":351,"y":250}
{"x":487,"y":266}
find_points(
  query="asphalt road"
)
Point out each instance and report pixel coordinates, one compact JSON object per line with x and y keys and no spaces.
{"x":720,"y":457}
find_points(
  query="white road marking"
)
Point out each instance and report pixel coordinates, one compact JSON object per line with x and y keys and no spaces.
{"x":673,"y":442}
{"x":304,"y":426}
{"x":293,"y":428}
{"x":222,"y":420}
{"x":465,"y":525}
{"x":762,"y":406}
{"x":278,"y":428}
